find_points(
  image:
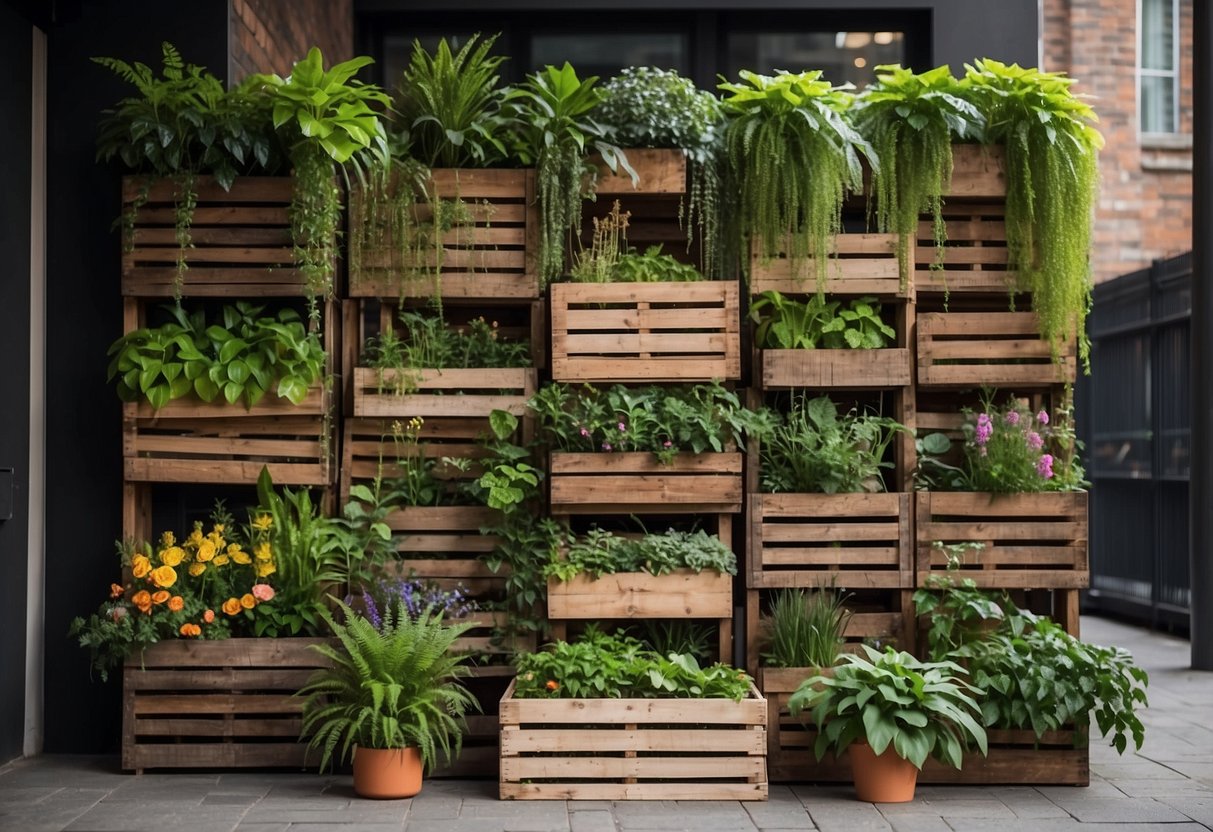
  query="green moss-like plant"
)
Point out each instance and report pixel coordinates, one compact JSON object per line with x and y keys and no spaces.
{"x":911,"y":120}
{"x":793,"y":157}
{"x":1052,"y":179}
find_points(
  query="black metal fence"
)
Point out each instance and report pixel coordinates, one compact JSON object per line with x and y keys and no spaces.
{"x":1134,"y":418}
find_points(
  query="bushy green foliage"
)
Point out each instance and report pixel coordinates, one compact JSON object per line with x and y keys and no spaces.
{"x":785,"y":323}
{"x":804,"y":628}
{"x":430,"y":343}
{"x":601,"y":553}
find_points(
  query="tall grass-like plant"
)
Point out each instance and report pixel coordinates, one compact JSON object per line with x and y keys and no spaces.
{"x":793,"y":157}
{"x":805,"y":628}
{"x":911,"y":119}
{"x":449,"y":103}
{"x":389,"y":687}
{"x":1052,"y":154}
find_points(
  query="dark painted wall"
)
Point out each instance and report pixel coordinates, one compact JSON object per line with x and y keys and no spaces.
{"x":16,"y":45}
{"x":83,"y":454}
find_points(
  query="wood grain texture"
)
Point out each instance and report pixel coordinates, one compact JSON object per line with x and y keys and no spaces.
{"x":1001,"y":349}
{"x":682,"y":593}
{"x":860,"y":264}
{"x":836,"y":369}
{"x":628,"y":483}
{"x":659,"y":171}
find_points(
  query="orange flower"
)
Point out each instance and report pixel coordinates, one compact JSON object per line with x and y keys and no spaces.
{"x":190,"y":630}
{"x":140,"y":566}
{"x":248,"y":601}
{"x":164,"y":576}
{"x":160,"y":596}
{"x":176,"y":603}
{"x":116,"y":590}
{"x":143,"y":600}
{"x":208,"y":616}
{"x":552,"y":685}
{"x":232,"y":606}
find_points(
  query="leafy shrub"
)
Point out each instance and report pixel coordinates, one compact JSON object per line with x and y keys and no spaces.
{"x":602,"y":553}
{"x":430,"y":343}
{"x":784,"y":323}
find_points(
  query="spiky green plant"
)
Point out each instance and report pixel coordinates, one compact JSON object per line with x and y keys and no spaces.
{"x":793,"y":158}
{"x":392,"y":687}
{"x":1052,"y":154}
{"x":911,"y":119}
{"x":449,"y":104}
{"x":805,"y":628}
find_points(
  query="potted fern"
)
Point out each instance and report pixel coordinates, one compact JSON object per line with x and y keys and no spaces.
{"x":392,"y":698}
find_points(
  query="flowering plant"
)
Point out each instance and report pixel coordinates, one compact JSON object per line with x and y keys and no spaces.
{"x":1012,"y":450}
{"x":212,"y":585}
{"x":411,"y":597}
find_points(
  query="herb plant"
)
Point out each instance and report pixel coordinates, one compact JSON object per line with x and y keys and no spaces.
{"x":804,"y":628}
{"x":784,"y":323}
{"x":602,"y":553}
{"x":241,"y":359}
{"x":793,"y":157}
{"x":1052,"y":153}
{"x":814,"y":450}
{"x":609,"y":259}
{"x":430,"y":343}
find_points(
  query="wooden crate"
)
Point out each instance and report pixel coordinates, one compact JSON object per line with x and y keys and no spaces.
{"x":988,"y":349}
{"x":1017,"y":758}
{"x":217,"y":704}
{"x":633,"y":749}
{"x":860,"y":264}
{"x":974,"y":258}
{"x":660,"y":171}
{"x":1031,"y":540}
{"x":492,"y":256}
{"x":978,"y":172}
{"x":682,"y":593}
{"x":240,"y":239}
{"x":646,"y":331}
{"x":402,"y":394}
{"x":637,"y":483}
{"x":443,"y":544}
{"x":836,"y":369}
{"x":809,"y":540}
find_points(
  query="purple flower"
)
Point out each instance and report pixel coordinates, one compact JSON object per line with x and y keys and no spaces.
{"x":1042,"y":417}
{"x":984,"y":428}
{"x":622,"y":427}
{"x":1034,"y":441}
{"x":606,"y":446}
{"x":1012,"y":417}
{"x":1044,"y":466}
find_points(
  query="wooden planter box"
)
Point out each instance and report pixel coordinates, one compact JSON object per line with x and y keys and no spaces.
{"x":978,"y":172}
{"x":493,"y":256}
{"x":444,"y":544}
{"x":860,"y":264}
{"x":646,"y":331}
{"x":661,"y":171}
{"x":633,"y":749}
{"x":1017,"y":758}
{"x":402,"y":394}
{"x":988,"y":349}
{"x":682,"y":593}
{"x":1031,"y":540}
{"x":637,"y":483}
{"x":217,"y":704}
{"x":809,"y":540}
{"x":836,"y":369}
{"x":241,"y":242}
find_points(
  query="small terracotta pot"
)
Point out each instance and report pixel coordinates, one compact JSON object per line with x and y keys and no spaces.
{"x":883,"y":778}
{"x":387,"y":773}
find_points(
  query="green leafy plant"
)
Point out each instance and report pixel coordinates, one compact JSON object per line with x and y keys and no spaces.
{"x":602,"y":553}
{"x":793,"y":157}
{"x":934,"y":472}
{"x":804,"y":628}
{"x":609,"y":259}
{"x":911,"y":120}
{"x":602,"y":666}
{"x":650,"y":107}
{"x":241,"y":359}
{"x":815,"y":450}
{"x":551,"y":114}
{"x":449,"y":103}
{"x":1052,"y":153}
{"x":678,"y":635}
{"x":958,"y":613}
{"x":784,"y":323}
{"x":429,"y":342}
{"x":392,"y":686}
{"x":890,"y":699}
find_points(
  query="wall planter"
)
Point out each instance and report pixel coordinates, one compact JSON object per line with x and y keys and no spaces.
{"x":988,"y":349}
{"x":978,"y":172}
{"x":637,"y":483}
{"x":682,"y":593}
{"x":660,"y":171}
{"x":860,"y":264}
{"x":646,"y":331}
{"x":241,"y":243}
{"x":836,"y":369}
{"x":216,"y":704}
{"x":633,"y":749}
{"x":490,"y":254}
{"x":1031,"y":540}
{"x":443,"y":393}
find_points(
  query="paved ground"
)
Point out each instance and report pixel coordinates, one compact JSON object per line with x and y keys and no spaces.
{"x":1168,"y":785}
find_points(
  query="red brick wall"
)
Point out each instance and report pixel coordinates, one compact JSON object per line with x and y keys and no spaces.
{"x":270,"y":35}
{"x":1145,"y":205}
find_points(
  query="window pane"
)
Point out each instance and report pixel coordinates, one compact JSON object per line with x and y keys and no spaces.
{"x":606,"y":54}
{"x":842,"y":56}
{"x":1157,"y":104}
{"x":1158,"y":34}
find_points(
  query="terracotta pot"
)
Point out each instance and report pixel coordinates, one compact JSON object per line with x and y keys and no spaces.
{"x":884,"y":778}
{"x":387,"y":773}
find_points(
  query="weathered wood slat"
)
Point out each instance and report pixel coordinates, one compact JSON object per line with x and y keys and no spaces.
{"x":860,"y":264}
{"x":659,"y":171}
{"x":969,"y":349}
{"x":679,"y":594}
{"x":836,"y":369}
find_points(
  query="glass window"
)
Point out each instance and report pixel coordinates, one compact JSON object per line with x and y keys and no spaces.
{"x":1157,"y":72}
{"x":842,"y":56}
{"x":605,"y":54}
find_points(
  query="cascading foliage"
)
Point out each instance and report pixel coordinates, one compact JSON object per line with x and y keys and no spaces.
{"x":1052,"y":179}
{"x":911,"y":120}
{"x":793,"y":157}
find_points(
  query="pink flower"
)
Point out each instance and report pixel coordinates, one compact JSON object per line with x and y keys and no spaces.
{"x":1044,"y":466}
{"x":984,"y":428}
{"x":118,"y":613}
{"x":1012,"y":417}
{"x":585,"y":432}
{"x":1042,"y":417}
{"x":263,"y":592}
{"x":606,"y":446}
{"x":667,"y":444}
{"x":1034,"y":441}
{"x":622,"y":426}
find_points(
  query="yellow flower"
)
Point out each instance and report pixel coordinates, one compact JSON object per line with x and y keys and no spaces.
{"x":217,"y":529}
{"x":197,"y":569}
{"x":206,"y":551}
{"x":172,"y":556}
{"x":232,"y":606}
{"x":266,"y":568}
{"x":195,"y":538}
{"x":262,"y":522}
{"x":220,"y":560}
{"x":140,"y":566}
{"x":164,"y":576}
{"x":248,"y":601}
{"x":167,"y":539}
{"x":241,"y":557}
{"x":262,"y":551}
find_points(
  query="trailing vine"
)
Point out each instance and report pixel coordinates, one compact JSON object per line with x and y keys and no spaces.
{"x":315,"y":214}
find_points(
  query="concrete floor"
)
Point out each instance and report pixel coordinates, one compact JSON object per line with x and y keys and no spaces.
{"x":1167,"y":785}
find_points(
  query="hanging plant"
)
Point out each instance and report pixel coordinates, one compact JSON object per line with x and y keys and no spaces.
{"x":793,"y":157}
{"x":911,"y":120}
{"x":1052,"y":179}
